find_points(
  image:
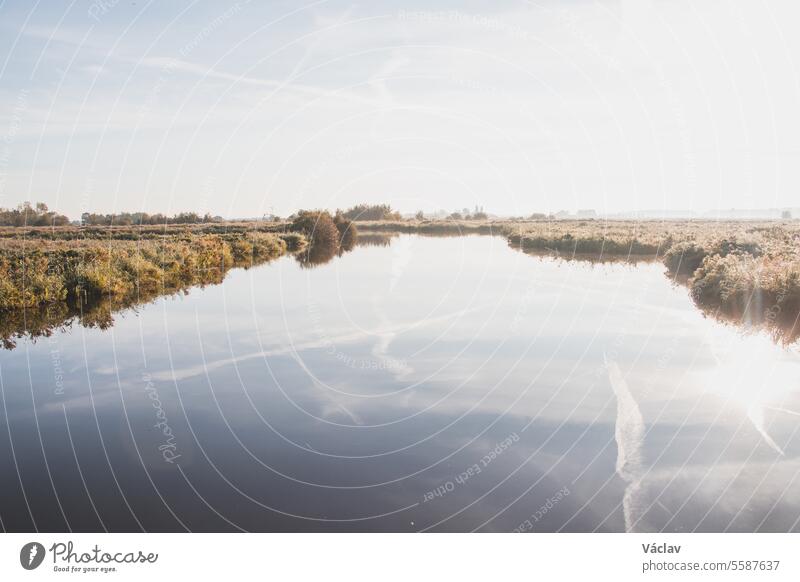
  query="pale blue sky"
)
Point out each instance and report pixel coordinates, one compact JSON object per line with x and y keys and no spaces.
{"x":244,"y":108}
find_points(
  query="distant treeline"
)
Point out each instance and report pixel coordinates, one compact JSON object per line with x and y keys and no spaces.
{"x":477,"y":215}
{"x":363,"y":212}
{"x":137,"y":218}
{"x":27,"y":214}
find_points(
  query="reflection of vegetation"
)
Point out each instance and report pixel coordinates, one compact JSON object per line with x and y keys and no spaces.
{"x":98,"y":313}
{"x":35,"y":323}
{"x":376,"y":239}
{"x":44,"y":320}
{"x":316,"y":254}
{"x":347,"y":231}
{"x":434,"y":227}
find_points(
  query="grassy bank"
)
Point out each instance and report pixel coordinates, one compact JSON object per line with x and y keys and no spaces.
{"x":68,"y":264}
{"x":739,"y":270}
{"x":56,"y":277}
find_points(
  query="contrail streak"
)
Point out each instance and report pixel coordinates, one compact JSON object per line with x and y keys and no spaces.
{"x":629,"y":435}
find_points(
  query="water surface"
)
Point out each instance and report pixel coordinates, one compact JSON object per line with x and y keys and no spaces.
{"x":415,"y":383}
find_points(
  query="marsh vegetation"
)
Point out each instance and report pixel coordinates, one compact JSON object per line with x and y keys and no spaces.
{"x":737,"y":270}
{"x":741,"y":270}
{"x":58,"y":274}
{"x":62,"y":276}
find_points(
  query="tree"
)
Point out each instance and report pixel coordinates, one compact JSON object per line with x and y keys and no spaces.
{"x":142,"y":218}
{"x":31,"y":215}
{"x":419,"y":215}
{"x":371,"y":212}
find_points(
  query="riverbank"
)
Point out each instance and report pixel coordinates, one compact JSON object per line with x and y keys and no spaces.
{"x":740,"y":270}
{"x":737,"y":270}
{"x":41,"y":266}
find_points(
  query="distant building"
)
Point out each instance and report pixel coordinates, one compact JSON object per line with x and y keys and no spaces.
{"x":586,"y":213}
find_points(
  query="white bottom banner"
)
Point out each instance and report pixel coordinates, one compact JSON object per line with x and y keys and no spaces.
{"x":354,"y":557}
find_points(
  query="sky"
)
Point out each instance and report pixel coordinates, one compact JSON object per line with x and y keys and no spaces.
{"x":241,"y":109}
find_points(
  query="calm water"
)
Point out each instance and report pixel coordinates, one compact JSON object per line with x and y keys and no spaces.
{"x":445,"y":384}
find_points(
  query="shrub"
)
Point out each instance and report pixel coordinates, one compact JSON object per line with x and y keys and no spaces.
{"x":684,"y":258}
{"x":242,"y":250}
{"x":727,"y":246}
{"x":318,"y":227}
{"x":294,"y":241}
{"x":267,"y":246}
